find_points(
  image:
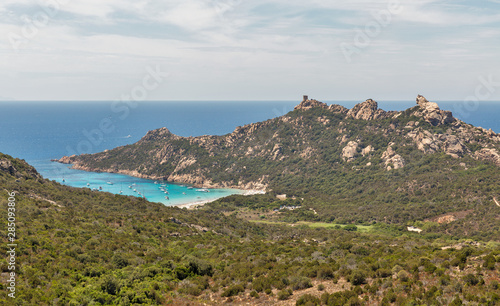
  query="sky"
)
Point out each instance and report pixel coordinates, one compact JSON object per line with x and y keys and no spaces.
{"x":249,"y":50}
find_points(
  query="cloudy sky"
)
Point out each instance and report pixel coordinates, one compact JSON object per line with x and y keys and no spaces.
{"x":249,"y":50}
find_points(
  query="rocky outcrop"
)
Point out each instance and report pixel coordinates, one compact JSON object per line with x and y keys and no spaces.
{"x":17,"y":168}
{"x":391,"y":159}
{"x":367,"y":110}
{"x":323,"y":120}
{"x":488,"y":154}
{"x":277,"y":151}
{"x":425,"y":140}
{"x":7,"y":167}
{"x":308,"y":104}
{"x":428,"y":142}
{"x":65,"y":159}
{"x":431,"y":113}
{"x":350,"y":151}
{"x":335,"y":108}
{"x":367,"y":150}
{"x":184,"y":163}
{"x":412,"y":124}
{"x":453,"y":146}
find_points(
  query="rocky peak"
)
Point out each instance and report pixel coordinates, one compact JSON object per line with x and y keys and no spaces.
{"x":157,"y":134}
{"x":421,"y":100}
{"x":308,"y":104}
{"x":163,"y":131}
{"x":431,"y":113}
{"x":366,"y":110}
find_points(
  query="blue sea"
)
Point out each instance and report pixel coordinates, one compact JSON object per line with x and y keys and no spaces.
{"x":43,"y":130}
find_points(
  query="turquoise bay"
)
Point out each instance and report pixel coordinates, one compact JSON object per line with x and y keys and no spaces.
{"x":167,"y":193}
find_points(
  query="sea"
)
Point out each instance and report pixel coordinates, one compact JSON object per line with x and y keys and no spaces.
{"x":39,"y":131}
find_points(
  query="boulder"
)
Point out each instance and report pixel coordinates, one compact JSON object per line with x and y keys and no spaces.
{"x":7,"y":167}
{"x":367,"y":150}
{"x":391,"y":158}
{"x":350,"y":151}
{"x":367,"y":110}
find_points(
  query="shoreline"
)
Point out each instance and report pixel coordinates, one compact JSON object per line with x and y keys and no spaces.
{"x":187,"y":203}
{"x":210,"y":185}
{"x":194,"y":205}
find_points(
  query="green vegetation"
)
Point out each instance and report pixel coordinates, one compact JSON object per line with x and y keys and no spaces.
{"x":78,"y":247}
{"x":348,"y":227}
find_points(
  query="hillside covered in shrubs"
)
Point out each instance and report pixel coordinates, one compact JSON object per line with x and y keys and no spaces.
{"x":81,"y":247}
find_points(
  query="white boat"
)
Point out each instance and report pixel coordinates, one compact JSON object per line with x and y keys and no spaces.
{"x":184,"y":193}
{"x":202,"y":190}
{"x":109,"y":183}
{"x":167,"y":198}
{"x":88,"y":184}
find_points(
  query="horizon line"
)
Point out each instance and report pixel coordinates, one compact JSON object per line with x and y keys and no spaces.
{"x":235,"y":100}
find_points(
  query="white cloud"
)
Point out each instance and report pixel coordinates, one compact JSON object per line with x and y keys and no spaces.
{"x":190,"y":15}
{"x":244,"y":47}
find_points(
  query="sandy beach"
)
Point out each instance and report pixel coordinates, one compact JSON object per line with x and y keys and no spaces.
{"x":193,"y":205}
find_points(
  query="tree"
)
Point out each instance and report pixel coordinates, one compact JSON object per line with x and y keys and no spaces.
{"x":357,"y":278}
